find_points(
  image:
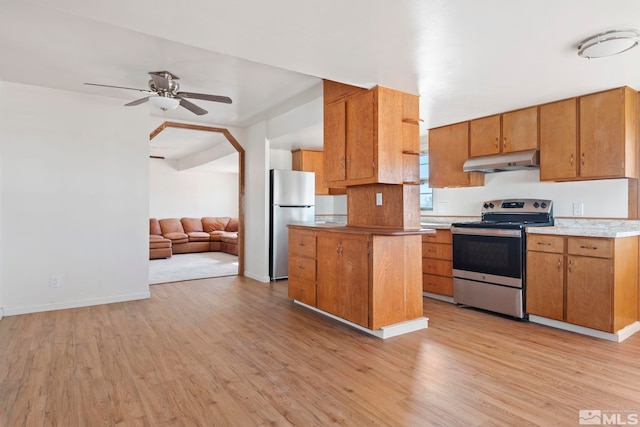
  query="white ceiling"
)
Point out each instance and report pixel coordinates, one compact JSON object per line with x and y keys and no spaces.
{"x":465,"y":58}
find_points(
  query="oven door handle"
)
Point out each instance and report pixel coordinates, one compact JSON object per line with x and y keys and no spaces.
{"x":487,"y":232}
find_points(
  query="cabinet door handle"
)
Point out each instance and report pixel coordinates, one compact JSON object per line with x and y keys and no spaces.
{"x":559,"y":264}
{"x":582,"y":159}
{"x":588,"y":247}
{"x":544,"y":243}
{"x":571,"y":159}
{"x":497,"y":142}
{"x":570,"y":265}
{"x":504,"y":143}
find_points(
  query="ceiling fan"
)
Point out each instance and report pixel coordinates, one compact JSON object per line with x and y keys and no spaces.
{"x":163,"y":93}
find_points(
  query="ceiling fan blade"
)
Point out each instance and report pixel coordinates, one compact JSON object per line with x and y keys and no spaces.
{"x":192,"y":107}
{"x":137,"y":102}
{"x":121,"y":87}
{"x":205,"y":97}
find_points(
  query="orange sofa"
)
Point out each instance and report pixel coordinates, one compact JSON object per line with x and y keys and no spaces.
{"x":159,"y":246}
{"x":187,"y":235}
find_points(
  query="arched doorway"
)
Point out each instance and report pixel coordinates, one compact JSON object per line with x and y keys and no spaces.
{"x":241,"y":154}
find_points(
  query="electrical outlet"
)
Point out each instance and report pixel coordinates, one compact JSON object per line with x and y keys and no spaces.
{"x":442,"y":206}
{"x":578,"y":209}
{"x":378,"y":199}
{"x":53,"y":282}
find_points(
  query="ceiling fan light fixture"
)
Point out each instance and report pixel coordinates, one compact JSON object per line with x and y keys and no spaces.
{"x":609,"y":43}
{"x":164,"y":103}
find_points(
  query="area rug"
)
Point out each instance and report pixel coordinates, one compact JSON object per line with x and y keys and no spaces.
{"x":192,"y":266}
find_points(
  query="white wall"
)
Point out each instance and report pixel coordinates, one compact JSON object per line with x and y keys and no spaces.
{"x":280,"y":159}
{"x":256,"y":217}
{"x":192,"y":194}
{"x":74,"y":174}
{"x":601,"y":199}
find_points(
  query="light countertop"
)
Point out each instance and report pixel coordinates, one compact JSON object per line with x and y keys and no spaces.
{"x":609,"y":228}
{"x":590,"y":228}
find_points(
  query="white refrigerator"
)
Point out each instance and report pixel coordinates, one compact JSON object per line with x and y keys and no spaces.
{"x":292,"y":200}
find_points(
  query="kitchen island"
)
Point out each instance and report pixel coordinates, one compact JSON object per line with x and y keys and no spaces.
{"x":368,"y":278}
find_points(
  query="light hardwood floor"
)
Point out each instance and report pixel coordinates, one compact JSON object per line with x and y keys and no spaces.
{"x":232,"y":351}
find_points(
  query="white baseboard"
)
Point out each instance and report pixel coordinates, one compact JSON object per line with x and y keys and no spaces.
{"x":14,"y":311}
{"x":438,"y":297}
{"x":384,"y":332}
{"x":619,"y":336}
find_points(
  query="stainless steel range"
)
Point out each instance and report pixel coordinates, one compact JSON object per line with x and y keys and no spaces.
{"x":489,"y":255}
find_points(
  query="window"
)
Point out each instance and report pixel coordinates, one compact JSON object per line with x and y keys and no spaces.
{"x":426,"y":193}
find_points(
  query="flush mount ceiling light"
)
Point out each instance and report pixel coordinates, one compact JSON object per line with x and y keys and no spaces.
{"x":608,"y":43}
{"x":164,"y":102}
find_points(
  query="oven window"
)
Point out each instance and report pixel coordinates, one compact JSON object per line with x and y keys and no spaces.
{"x":500,"y":256}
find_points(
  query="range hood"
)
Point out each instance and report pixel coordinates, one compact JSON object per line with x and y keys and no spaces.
{"x":503,"y":162}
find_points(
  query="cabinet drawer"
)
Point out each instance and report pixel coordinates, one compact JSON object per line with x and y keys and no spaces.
{"x":302,"y":268}
{"x":437,"y":250}
{"x":441,"y":236}
{"x":437,"y":284}
{"x":302,"y":243}
{"x":303,"y":291}
{"x":437,"y":267}
{"x":589,"y":246}
{"x":545,"y":243}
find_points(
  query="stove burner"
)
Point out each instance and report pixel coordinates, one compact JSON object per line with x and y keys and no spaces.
{"x":513,"y":214}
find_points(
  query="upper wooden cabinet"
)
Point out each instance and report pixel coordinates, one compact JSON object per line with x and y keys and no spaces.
{"x":366,"y":136}
{"x":448,"y":150}
{"x":591,"y":137}
{"x":484,"y":136}
{"x":608,"y":133}
{"x":313,"y":161}
{"x":505,"y":133}
{"x":559,"y":140}
{"x":334,"y":91}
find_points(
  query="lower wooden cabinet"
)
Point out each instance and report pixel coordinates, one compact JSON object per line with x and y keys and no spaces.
{"x":586,"y":281}
{"x":368,"y":279}
{"x":302,"y":266}
{"x":437,"y":265}
{"x":545,"y":284}
{"x":343,"y":275}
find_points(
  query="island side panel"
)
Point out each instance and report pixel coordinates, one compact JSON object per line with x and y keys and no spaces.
{"x":396,"y":272}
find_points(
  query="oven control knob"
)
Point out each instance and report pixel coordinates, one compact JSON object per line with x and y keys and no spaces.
{"x":491,"y":205}
{"x":543,"y":205}
{"x":486,"y":206}
{"x":536,"y":204}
